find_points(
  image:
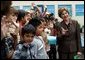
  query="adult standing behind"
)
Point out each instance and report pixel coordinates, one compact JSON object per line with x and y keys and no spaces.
{"x":69,"y":37}
{"x":7,"y":28}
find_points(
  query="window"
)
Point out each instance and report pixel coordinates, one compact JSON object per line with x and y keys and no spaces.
{"x":69,"y":7}
{"x":80,"y":10}
{"x":17,"y":7}
{"x":26,"y":8}
{"x":51,"y":9}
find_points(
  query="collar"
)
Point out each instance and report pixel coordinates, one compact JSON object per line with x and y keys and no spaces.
{"x":28,"y":45}
{"x":70,"y":21}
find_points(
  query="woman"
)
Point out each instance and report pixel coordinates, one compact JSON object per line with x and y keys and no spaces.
{"x":69,"y":37}
{"x":9,"y":38}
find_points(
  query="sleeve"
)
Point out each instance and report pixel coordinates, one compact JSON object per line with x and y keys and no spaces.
{"x":41,"y":52}
{"x":78,"y":37}
{"x":17,"y":52}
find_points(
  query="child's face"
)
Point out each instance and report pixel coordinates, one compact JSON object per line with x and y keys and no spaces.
{"x":40,"y":29}
{"x":28,"y":38}
{"x":27,"y":17}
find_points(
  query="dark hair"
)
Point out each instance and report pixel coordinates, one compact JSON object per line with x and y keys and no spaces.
{"x":49,"y":17}
{"x":35,"y":22}
{"x":28,"y":29}
{"x":61,"y":10}
{"x":5,"y":7}
{"x":42,"y":19}
{"x":21,"y":14}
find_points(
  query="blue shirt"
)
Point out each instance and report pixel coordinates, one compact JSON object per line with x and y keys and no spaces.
{"x":35,"y":50}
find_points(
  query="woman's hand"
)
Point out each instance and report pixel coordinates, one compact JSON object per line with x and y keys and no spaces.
{"x":63,"y":31}
{"x":79,"y":53}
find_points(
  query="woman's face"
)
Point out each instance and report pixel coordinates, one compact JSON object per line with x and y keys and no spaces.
{"x":65,"y":15}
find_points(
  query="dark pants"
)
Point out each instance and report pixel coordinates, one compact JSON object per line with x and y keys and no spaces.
{"x":66,"y":55}
{"x":52,"y":52}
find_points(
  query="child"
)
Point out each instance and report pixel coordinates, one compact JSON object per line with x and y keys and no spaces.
{"x":36,"y":22}
{"x":22,"y":50}
{"x":28,"y":48}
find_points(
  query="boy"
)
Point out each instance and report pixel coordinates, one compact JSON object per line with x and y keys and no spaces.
{"x":28,"y":48}
{"x":23,"y":48}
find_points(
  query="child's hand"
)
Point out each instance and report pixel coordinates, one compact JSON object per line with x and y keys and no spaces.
{"x":10,"y":53}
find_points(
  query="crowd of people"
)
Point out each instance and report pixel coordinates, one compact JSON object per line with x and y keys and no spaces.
{"x":24,"y":33}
